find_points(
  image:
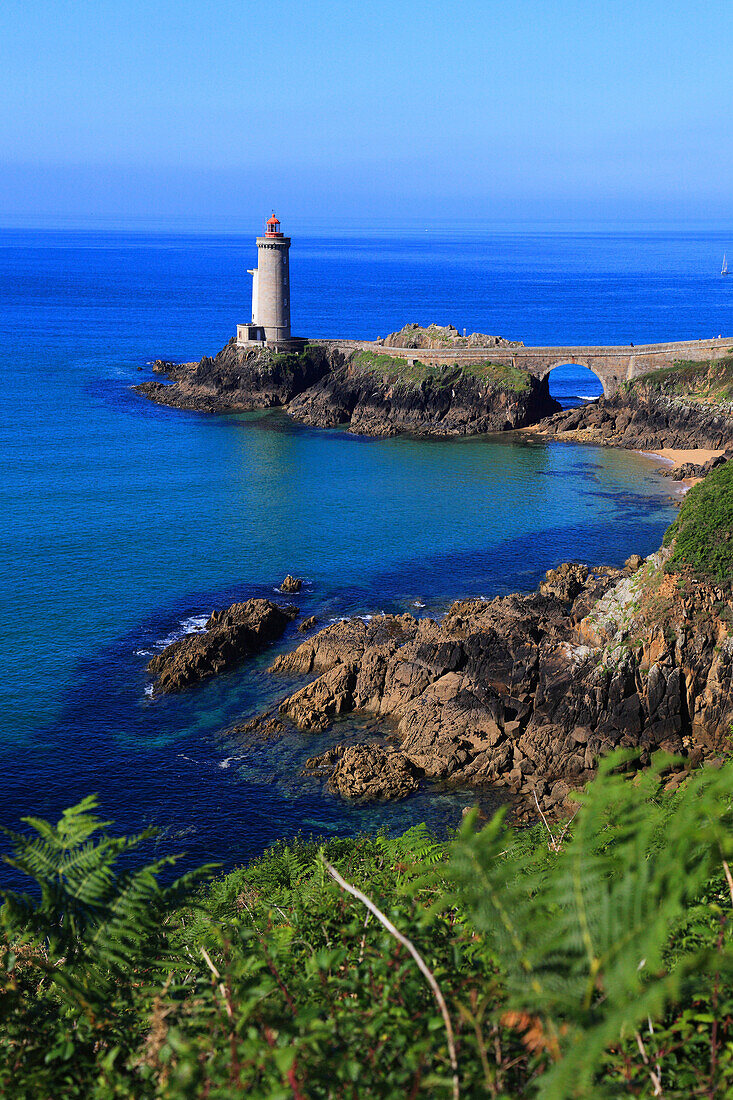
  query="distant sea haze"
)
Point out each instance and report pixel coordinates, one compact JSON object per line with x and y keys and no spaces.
{"x":126,"y":523}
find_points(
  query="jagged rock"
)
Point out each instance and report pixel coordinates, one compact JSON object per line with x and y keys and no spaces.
{"x":443,"y":336}
{"x":307,"y":624}
{"x":291,"y":584}
{"x":230,"y":636}
{"x":527,"y":691}
{"x":317,"y":704}
{"x":366,"y":773}
{"x":239,"y":378}
{"x":645,"y":417}
{"x":566,"y":581}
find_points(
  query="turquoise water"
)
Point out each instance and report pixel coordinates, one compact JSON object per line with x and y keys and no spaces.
{"x":125,"y":523}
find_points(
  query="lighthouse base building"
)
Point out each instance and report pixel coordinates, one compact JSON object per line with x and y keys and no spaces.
{"x":270,"y":324}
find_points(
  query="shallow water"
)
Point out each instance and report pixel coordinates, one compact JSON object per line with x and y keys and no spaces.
{"x":125,"y":522}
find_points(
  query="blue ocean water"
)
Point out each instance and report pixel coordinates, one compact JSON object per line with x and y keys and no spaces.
{"x":125,"y":523}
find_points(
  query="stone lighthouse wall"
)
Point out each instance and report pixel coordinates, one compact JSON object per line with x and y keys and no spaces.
{"x":273,"y":288}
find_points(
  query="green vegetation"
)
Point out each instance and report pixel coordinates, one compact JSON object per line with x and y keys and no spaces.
{"x":397,"y":369}
{"x":708,"y":382}
{"x":703,"y":530}
{"x":591,"y":962}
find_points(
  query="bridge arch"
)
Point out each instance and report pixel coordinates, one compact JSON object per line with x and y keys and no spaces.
{"x":575,"y":381}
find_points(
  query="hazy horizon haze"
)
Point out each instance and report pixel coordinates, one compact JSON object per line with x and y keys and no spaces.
{"x":207,"y":116}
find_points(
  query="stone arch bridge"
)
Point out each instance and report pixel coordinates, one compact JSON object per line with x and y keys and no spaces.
{"x":612,"y":365}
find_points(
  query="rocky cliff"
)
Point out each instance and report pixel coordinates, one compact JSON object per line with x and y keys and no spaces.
{"x":527,"y":692}
{"x":366,"y":392}
{"x":687,"y":406}
{"x":377,"y":394}
{"x":238,"y":378}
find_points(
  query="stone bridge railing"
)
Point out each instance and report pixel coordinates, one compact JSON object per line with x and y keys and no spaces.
{"x":613,"y":365}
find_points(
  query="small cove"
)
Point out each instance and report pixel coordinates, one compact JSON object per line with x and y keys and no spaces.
{"x":124,"y":521}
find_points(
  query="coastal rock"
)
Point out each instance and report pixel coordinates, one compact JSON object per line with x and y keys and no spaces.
{"x":528,"y":691}
{"x":291,"y":584}
{"x":307,"y":624}
{"x":366,"y":773}
{"x":685,"y":409}
{"x":372,"y":397}
{"x":316,"y":705}
{"x":239,"y":378}
{"x":369,"y":393}
{"x":231,"y":635}
{"x":566,"y":581}
{"x":443,"y":336}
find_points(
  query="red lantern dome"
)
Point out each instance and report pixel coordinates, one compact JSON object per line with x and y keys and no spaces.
{"x":273,"y":227}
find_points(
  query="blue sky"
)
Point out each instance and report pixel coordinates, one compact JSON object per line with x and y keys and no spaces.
{"x":202,"y":115}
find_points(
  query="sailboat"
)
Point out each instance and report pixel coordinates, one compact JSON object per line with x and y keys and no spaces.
{"x":724,"y":268}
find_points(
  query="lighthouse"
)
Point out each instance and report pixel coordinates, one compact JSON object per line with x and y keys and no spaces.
{"x":270,"y":322}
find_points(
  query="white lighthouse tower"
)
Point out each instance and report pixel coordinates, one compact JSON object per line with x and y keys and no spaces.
{"x":270,"y":322}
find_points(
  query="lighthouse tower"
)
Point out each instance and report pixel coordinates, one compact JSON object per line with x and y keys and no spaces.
{"x":270,"y":322}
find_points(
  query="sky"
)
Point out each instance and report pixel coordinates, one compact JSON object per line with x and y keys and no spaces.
{"x":202,"y":115}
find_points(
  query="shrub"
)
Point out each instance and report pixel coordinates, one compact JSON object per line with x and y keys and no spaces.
{"x":703,"y":531}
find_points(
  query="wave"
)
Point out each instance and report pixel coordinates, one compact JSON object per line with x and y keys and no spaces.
{"x":194,"y":624}
{"x":229,"y":760}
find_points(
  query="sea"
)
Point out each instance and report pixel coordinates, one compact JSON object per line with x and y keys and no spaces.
{"x":125,"y":523}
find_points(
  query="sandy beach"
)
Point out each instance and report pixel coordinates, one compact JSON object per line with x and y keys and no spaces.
{"x":698,"y":455}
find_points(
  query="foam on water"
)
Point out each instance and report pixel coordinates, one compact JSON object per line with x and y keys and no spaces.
{"x":194,"y":624}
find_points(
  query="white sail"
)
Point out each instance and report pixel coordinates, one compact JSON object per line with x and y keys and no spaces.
{"x":724,"y":269}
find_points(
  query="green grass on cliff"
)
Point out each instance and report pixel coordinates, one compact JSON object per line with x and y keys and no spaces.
{"x":709,"y":382}
{"x":703,"y":530}
{"x":398,"y":369}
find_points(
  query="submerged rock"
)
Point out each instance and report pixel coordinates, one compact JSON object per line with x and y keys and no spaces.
{"x":230,"y":636}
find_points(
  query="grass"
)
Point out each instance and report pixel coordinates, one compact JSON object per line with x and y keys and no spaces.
{"x":707,"y":382}
{"x":703,"y":530}
{"x":397,"y":368}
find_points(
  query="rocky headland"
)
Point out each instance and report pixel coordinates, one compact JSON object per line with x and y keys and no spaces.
{"x":362,"y":390}
{"x":229,"y":637}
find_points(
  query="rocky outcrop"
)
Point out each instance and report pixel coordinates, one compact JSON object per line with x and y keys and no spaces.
{"x":643,"y":418}
{"x":384,"y":399}
{"x":367,"y":393}
{"x":239,"y":378}
{"x":365,"y":773}
{"x":527,"y":692}
{"x":230,"y":636}
{"x":444,"y":336}
{"x":291,"y":584}
{"x":689,"y":470}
